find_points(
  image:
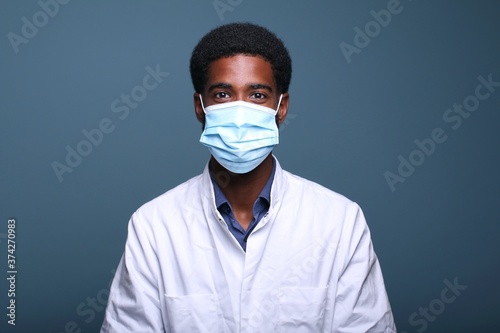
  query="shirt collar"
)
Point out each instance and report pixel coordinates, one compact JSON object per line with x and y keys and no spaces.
{"x":265,"y":194}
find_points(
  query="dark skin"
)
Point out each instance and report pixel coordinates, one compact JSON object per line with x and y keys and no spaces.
{"x":250,"y":79}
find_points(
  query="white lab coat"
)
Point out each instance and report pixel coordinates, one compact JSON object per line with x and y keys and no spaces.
{"x":309,"y":266}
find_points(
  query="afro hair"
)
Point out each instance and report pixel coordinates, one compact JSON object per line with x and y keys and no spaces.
{"x":240,"y":38}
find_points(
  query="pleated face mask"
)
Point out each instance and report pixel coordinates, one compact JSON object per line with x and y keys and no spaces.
{"x":240,"y":135}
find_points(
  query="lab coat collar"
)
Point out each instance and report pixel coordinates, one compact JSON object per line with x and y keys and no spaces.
{"x":208,"y":196}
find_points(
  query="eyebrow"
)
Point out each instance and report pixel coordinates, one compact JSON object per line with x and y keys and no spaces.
{"x":261,"y":86}
{"x":229,"y":86}
{"x":219,"y":85}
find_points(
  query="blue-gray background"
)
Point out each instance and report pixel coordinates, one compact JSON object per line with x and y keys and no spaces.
{"x":348,"y":123}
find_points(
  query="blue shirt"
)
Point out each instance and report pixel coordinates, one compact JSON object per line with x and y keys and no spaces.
{"x":260,"y":208}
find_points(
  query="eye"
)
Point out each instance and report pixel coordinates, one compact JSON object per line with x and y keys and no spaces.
{"x":258,"y":95}
{"x":221,"y":95}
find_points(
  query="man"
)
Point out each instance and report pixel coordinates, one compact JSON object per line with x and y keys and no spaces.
{"x":246,"y":246}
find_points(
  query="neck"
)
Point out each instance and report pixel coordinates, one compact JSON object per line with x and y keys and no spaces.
{"x":242,"y":189}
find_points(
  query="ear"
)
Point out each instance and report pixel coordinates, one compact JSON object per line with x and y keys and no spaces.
{"x":283,"y":108}
{"x":200,"y":114}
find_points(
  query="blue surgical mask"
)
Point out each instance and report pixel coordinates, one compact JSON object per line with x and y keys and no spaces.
{"x":240,"y":135}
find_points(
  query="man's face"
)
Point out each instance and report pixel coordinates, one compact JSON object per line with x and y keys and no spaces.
{"x":241,"y":78}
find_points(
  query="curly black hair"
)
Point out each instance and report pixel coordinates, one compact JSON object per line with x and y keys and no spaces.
{"x":240,"y":38}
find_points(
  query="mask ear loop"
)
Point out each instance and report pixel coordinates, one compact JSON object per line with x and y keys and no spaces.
{"x":203,"y":106}
{"x":278,"y":107}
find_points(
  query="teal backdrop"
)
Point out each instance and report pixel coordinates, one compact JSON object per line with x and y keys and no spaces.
{"x":394,"y":104}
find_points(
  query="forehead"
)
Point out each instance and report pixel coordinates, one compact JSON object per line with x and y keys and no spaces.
{"x":241,"y":70}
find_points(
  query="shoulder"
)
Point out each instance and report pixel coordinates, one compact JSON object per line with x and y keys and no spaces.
{"x":179,"y":196}
{"x":312,"y":191}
